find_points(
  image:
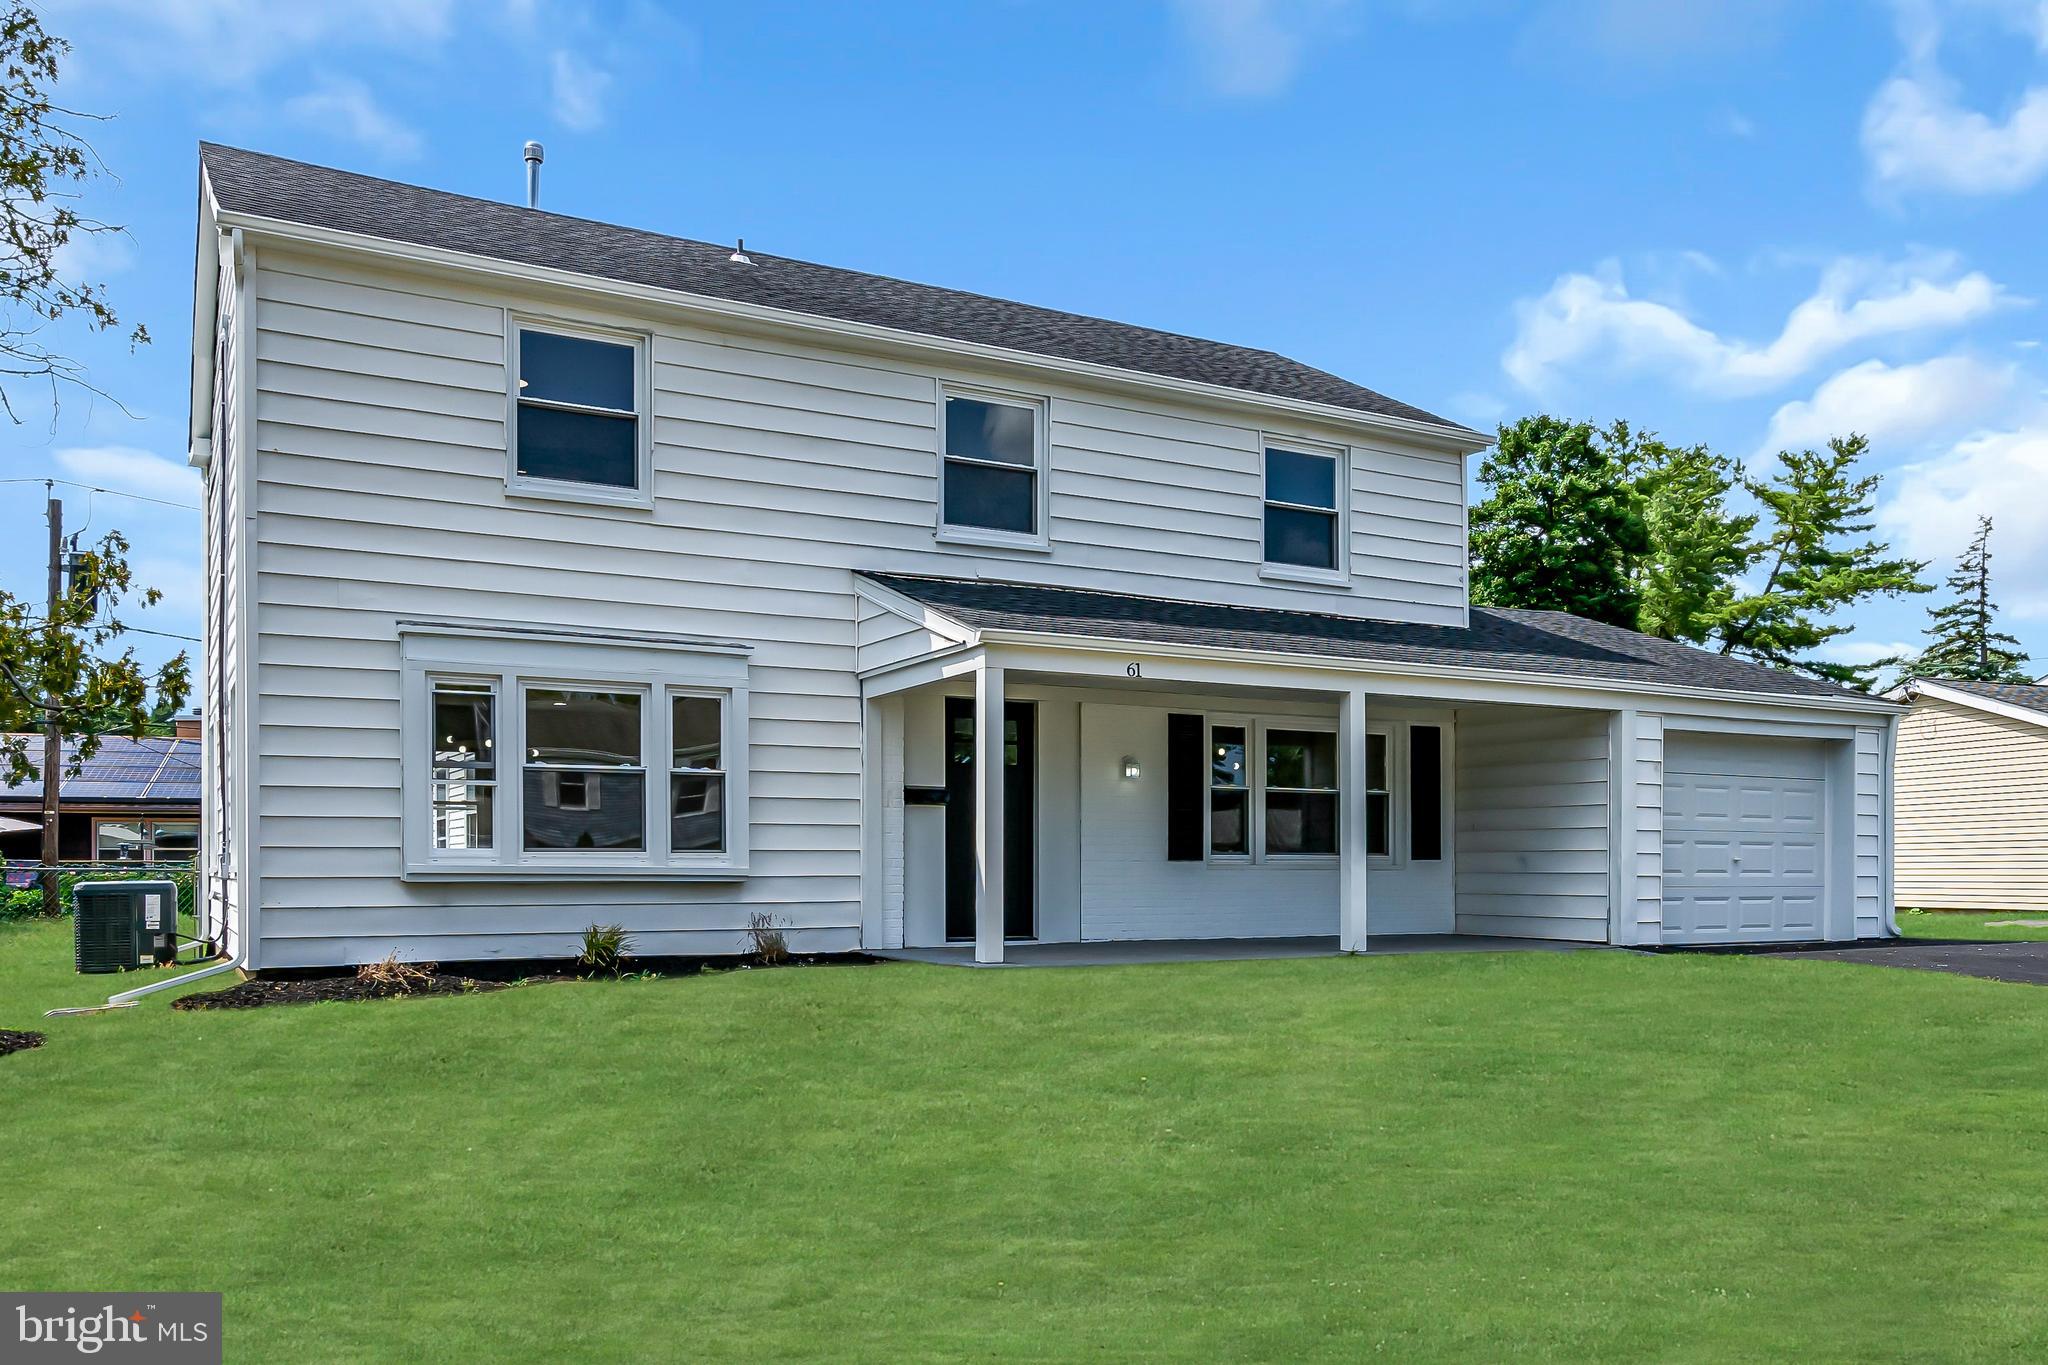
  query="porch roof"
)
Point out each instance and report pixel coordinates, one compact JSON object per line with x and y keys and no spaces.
{"x":1498,"y":639}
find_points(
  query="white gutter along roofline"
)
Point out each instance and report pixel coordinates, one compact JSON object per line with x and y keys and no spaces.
{"x":1461,"y":439}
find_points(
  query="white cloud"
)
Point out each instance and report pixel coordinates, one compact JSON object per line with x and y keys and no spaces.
{"x":229,"y":41}
{"x":1851,"y":649}
{"x":1918,"y":137}
{"x":92,"y":256}
{"x":1934,"y":507}
{"x":1894,"y":403}
{"x":1592,"y":319}
{"x":1253,"y":49}
{"x":580,"y":89}
{"x":345,"y":108}
{"x":129,"y":469}
{"x":1919,"y":133}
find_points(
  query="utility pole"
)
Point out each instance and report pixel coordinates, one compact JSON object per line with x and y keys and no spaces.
{"x":53,"y":733}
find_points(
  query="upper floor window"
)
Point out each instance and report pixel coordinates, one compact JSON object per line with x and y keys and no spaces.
{"x":992,"y":469}
{"x":1304,"y":523}
{"x":577,"y":414}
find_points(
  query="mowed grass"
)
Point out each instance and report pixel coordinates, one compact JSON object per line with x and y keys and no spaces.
{"x":1456,"y":1157}
{"x":1968,"y":924}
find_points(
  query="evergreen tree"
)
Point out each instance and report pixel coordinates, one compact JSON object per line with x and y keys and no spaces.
{"x":1961,"y":640}
{"x":1817,"y":563}
{"x":1559,"y":526}
{"x":1698,"y":548}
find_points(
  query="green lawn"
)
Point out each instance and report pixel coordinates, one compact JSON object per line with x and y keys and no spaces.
{"x":1969,"y":924}
{"x":1457,"y":1157}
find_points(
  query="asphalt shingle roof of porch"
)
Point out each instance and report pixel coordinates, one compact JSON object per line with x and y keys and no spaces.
{"x":1498,"y":639}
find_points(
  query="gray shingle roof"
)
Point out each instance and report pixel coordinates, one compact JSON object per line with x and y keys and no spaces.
{"x":1508,"y":641}
{"x":317,"y":196}
{"x":141,"y":771}
{"x":2032,"y":696}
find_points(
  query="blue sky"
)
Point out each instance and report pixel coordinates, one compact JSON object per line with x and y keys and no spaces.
{"x":1747,"y":224}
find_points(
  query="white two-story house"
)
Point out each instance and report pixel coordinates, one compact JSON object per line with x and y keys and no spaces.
{"x":562,"y":573}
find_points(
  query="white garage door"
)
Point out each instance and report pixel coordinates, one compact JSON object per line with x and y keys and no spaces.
{"x":1744,"y":840}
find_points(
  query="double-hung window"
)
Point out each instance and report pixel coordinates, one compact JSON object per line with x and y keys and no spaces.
{"x":578,"y":414}
{"x":464,"y":765}
{"x":584,"y":779}
{"x":1230,"y":813}
{"x":1304,"y":521}
{"x":992,"y":468}
{"x":696,"y":773}
{"x":627,"y":755}
{"x":1301,"y":792}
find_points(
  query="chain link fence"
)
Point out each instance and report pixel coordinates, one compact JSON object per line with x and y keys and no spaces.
{"x":22,"y":897}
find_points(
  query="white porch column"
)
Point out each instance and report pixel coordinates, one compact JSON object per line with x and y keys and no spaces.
{"x":1351,"y":842}
{"x":988,"y":811}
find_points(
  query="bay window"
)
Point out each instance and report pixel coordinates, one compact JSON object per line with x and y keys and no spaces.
{"x":628,"y":753}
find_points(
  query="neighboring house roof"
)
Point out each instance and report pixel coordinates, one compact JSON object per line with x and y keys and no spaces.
{"x":2021,"y":701}
{"x":147,"y":771}
{"x":1498,"y":639}
{"x":273,"y":187}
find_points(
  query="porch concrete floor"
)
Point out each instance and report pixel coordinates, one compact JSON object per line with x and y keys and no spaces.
{"x":1216,"y":950}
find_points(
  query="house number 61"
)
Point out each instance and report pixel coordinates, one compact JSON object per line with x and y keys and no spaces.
{"x":1131,"y":671}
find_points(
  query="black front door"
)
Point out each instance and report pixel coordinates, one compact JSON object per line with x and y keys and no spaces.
{"x":1020,"y":806}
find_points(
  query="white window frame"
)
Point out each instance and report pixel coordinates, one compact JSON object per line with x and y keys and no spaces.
{"x":145,"y":826}
{"x":491,"y":683}
{"x":1339,"y":574}
{"x":568,"y":490}
{"x":1398,"y":794}
{"x":944,"y":532}
{"x":1266,"y":725}
{"x":1252,"y":821}
{"x":517,"y":660}
{"x":724,"y":771}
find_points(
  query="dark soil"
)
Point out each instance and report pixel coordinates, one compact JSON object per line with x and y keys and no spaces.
{"x":308,"y":990}
{"x":311,"y":985}
{"x":18,"y":1040}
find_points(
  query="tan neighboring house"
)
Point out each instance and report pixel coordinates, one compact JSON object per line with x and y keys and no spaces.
{"x":1972,"y":796}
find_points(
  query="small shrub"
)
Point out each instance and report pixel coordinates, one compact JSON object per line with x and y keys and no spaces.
{"x":769,"y":944}
{"x":605,"y":948}
{"x":389,"y":971}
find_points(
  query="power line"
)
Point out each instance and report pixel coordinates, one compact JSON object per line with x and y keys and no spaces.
{"x":113,"y":492}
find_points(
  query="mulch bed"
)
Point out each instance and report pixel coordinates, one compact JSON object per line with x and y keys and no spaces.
{"x":308,"y":990}
{"x":312,"y":986}
{"x":18,"y":1040}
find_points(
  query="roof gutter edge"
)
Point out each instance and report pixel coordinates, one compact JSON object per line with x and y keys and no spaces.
{"x":1873,"y":706}
{"x":1464,"y":440}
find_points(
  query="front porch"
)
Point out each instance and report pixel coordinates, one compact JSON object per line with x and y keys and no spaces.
{"x":1136,"y":952}
{"x":1047,"y":772}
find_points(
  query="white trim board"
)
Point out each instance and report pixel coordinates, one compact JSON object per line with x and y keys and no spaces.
{"x":1928,"y":688}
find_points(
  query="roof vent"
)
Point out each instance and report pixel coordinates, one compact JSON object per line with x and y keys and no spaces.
{"x":534,"y":156}
{"x":739,"y":254}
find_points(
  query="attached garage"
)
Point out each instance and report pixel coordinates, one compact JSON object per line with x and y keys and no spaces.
{"x":1746,"y":850}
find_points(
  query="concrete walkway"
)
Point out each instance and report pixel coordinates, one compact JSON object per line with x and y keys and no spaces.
{"x":1214,"y":950}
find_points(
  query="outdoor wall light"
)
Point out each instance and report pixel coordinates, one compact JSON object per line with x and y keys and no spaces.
{"x":1130,"y":768}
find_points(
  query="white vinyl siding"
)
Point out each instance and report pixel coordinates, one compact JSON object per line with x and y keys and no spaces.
{"x":1532,"y":824}
{"x":222,"y":892}
{"x":1972,"y":810}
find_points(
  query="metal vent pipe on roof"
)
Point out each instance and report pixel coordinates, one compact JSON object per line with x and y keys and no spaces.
{"x":534,"y":156}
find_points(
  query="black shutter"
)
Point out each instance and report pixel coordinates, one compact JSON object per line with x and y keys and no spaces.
{"x":1185,"y":774}
{"x":1425,"y":793}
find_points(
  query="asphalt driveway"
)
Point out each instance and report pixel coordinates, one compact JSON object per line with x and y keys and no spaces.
{"x":2016,"y":961}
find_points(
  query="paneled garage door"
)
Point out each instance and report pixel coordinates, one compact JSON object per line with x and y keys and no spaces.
{"x":1744,"y":840}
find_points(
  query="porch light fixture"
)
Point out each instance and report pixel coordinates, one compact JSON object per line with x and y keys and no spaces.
{"x":1130,"y":768}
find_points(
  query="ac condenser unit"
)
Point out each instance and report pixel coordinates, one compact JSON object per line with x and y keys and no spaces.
{"x":118,"y":926}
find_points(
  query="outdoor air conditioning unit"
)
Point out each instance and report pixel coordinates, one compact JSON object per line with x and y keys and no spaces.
{"x":119,"y":926}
